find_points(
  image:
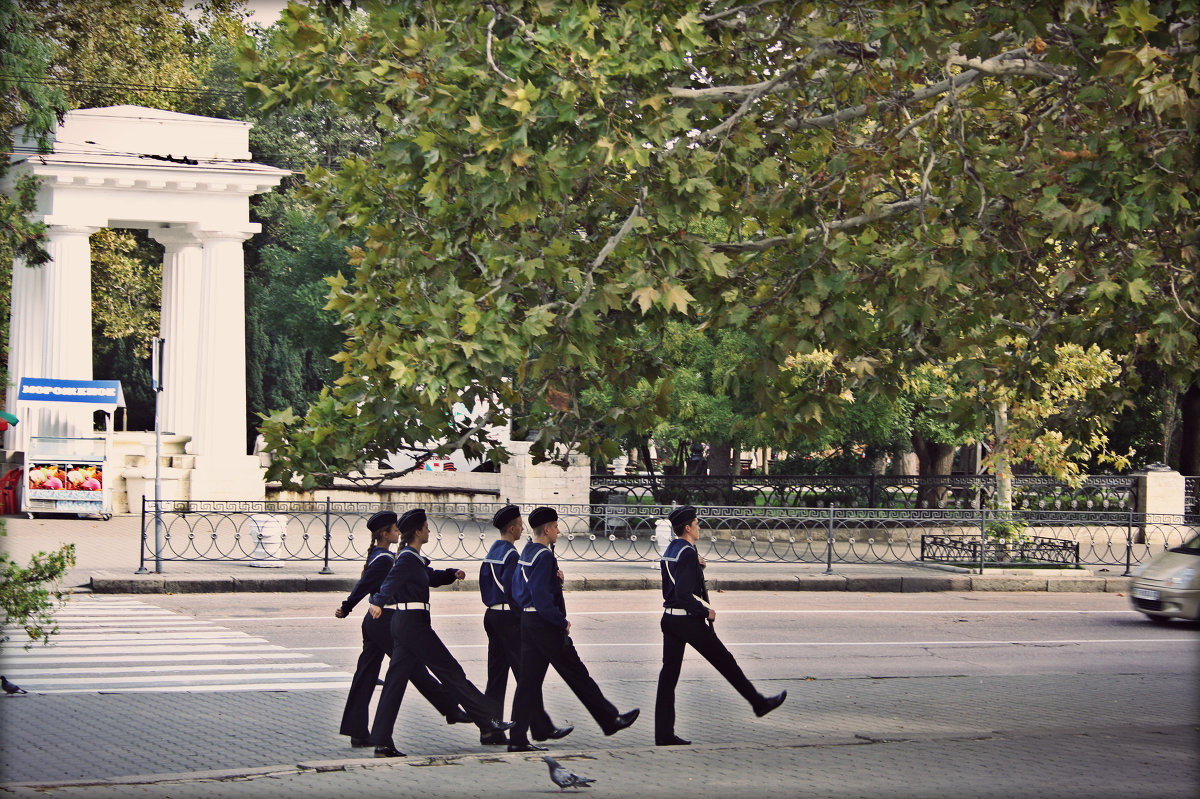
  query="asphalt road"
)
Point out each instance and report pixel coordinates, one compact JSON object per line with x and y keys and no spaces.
{"x":819,"y":635}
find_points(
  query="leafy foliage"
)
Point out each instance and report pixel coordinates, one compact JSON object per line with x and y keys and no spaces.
{"x":30,"y":595}
{"x":903,"y":183}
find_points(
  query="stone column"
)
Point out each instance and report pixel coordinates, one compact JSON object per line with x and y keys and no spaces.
{"x":26,"y":316}
{"x":180,"y":327}
{"x":66,"y":334}
{"x":527,"y":485}
{"x":224,"y":470}
{"x":1161,"y":491}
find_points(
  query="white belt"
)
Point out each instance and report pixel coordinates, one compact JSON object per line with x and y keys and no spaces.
{"x":530,"y":610}
{"x":501,"y":606}
{"x":408,"y":606}
{"x":675,"y":611}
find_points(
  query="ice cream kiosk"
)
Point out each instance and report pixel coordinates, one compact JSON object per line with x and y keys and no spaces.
{"x":66,"y":474}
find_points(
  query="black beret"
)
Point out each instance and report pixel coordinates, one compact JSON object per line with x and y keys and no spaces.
{"x":681,"y":517}
{"x":412,"y":520}
{"x":381,"y":520}
{"x":505,"y":516}
{"x":541,"y":516}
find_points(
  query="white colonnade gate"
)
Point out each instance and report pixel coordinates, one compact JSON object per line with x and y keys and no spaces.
{"x":187,"y":181}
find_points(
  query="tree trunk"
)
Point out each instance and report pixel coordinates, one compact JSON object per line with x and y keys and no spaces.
{"x":720,"y":458}
{"x":1189,"y":450}
{"x":933,"y":460}
{"x":1003,"y":467}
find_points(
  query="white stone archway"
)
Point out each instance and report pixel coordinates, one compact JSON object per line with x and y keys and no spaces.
{"x":187,"y":180}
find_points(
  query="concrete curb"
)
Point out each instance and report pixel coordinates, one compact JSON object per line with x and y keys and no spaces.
{"x":159,"y":584}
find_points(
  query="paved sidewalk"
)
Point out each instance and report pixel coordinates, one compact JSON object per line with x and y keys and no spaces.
{"x":108,"y":556}
{"x":1056,"y":735}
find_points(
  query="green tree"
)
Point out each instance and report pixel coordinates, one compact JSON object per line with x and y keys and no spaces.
{"x":25,"y":100}
{"x":903,"y":183}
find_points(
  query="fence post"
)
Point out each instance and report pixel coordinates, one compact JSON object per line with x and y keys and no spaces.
{"x":326,"y":569}
{"x":871,"y":495}
{"x":142,"y":553}
{"x":983,"y":514}
{"x":1128,"y":543}
{"x":829,"y":543}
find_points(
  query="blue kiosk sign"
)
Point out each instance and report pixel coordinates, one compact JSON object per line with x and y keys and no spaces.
{"x":66,"y":474}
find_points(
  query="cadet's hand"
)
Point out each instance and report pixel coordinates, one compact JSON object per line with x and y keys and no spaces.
{"x":339,"y":613}
{"x":460,"y":575}
{"x":703,"y":562}
{"x":568,"y":630}
{"x":712,"y":615}
{"x":560,"y":576}
{"x":375,"y":611}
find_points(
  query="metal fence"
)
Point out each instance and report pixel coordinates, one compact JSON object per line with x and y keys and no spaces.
{"x":325,"y":532}
{"x":1098,"y":492}
{"x":1191,"y":497}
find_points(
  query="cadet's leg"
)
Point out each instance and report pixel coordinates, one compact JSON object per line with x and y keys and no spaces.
{"x":668,"y":678}
{"x":557,"y":646}
{"x":404,"y":660}
{"x":705,"y":641}
{"x":528,"y":702}
{"x":434,"y":691}
{"x":498,"y":657}
{"x":438,"y":659}
{"x":358,"y":701}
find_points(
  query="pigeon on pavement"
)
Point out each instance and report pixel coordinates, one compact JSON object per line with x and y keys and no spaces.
{"x":11,"y":688}
{"x":563,"y":778}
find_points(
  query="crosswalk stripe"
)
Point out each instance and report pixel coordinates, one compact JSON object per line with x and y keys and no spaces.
{"x":110,"y":645}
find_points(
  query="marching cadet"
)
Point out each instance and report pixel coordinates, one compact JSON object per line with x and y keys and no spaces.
{"x":377,"y":640}
{"x":502,"y":622}
{"x":688,"y":619}
{"x":546,"y":640}
{"x":415,"y":644}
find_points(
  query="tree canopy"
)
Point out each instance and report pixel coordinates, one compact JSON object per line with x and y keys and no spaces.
{"x":901,"y":182}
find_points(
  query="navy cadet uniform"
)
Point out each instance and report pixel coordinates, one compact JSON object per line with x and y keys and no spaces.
{"x":502,"y":622}
{"x":685,"y":621}
{"x":415,"y":644}
{"x":544,"y":642}
{"x":377,"y":642}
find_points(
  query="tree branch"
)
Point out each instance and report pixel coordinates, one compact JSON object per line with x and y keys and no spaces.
{"x":492,"y":61}
{"x":605,"y":251}
{"x":879,"y":214}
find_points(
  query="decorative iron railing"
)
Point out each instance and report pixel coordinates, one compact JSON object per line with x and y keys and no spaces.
{"x":277,"y":532}
{"x":1191,"y":496}
{"x":1098,"y":492}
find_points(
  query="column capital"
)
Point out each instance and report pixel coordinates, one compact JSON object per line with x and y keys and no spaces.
{"x":70,"y":230}
{"x":174,"y":237}
{"x":206,"y":236}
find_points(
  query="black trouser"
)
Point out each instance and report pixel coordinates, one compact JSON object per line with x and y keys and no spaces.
{"x":503,"y":629}
{"x":678,"y":631}
{"x":377,"y":642}
{"x":544,"y":645}
{"x":417,"y":646}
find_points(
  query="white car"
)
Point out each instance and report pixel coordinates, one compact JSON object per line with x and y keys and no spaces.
{"x":1168,"y":586}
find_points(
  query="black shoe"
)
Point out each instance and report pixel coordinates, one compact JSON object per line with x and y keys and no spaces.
{"x":360,"y":743}
{"x":458,"y":716}
{"x":493,"y":739}
{"x":674,"y":740}
{"x":556,"y":733}
{"x":494,"y":726}
{"x":388,"y":751}
{"x":624,"y":720}
{"x":769,"y":703}
{"x":526,"y":748}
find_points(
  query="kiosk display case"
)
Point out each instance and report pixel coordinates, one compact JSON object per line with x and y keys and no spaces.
{"x":66,"y":475}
